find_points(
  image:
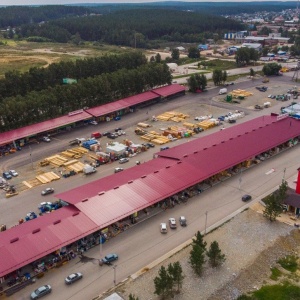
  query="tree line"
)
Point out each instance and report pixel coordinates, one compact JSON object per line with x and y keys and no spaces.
{"x":37,"y":106}
{"x":37,"y":79}
{"x":12,"y":16}
{"x":128,"y":28}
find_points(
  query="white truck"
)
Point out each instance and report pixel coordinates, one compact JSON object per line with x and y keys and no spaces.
{"x":223,"y":91}
{"x":87,"y":169}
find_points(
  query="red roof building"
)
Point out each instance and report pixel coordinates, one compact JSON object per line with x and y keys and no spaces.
{"x":107,"y":200}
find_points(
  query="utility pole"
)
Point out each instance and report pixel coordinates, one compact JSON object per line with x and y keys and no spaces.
{"x":206,"y":213}
{"x":31,"y":157}
{"x":115,"y":275}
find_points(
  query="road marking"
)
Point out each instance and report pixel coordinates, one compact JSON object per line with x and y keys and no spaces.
{"x":270,"y":172}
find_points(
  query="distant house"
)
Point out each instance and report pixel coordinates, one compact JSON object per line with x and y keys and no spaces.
{"x":180,"y":48}
{"x":255,"y":46}
{"x":173,"y":67}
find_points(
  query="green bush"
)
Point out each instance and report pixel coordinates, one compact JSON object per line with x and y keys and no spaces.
{"x":284,"y":291}
{"x":275,"y":274}
{"x":289,"y":263}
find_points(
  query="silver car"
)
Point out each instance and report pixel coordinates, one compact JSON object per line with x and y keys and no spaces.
{"x":41,"y":291}
{"x":73,"y":277}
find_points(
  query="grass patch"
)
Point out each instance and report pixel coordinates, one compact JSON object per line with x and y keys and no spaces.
{"x":276,"y":273}
{"x":285,"y":291}
{"x":289,"y":263}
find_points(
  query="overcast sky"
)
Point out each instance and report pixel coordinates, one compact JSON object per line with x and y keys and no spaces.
{"x":58,"y":2}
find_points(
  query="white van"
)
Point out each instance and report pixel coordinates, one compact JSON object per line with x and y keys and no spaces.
{"x":223,"y":91}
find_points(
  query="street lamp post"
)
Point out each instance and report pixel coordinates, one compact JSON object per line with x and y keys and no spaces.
{"x":206,"y":213}
{"x":115,"y":275}
{"x":100,"y":242}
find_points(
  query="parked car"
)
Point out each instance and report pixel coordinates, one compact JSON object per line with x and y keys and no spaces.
{"x":163,"y":228}
{"x":106,"y":133}
{"x":6,"y":175}
{"x":258,"y":106}
{"x":151,"y":145}
{"x":93,"y":123}
{"x":118,"y":129}
{"x":112,"y":135}
{"x":164,"y":148}
{"x":109,"y":258}
{"x":123,"y":160}
{"x":13,"y":173}
{"x":41,"y":291}
{"x":46,"y":139}
{"x":246,"y":198}
{"x":172,"y":223}
{"x":232,"y":121}
{"x":117,"y":170}
{"x":182,"y":221}
{"x":73,"y":277}
{"x":47,"y":191}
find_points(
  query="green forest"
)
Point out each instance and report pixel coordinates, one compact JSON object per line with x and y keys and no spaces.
{"x":18,"y":15}
{"x":57,"y":100}
{"x":140,"y":28}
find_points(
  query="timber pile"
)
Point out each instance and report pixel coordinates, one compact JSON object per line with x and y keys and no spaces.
{"x":240,"y":93}
{"x":144,"y":125}
{"x":160,"y":140}
{"x":173,"y":116}
{"x":76,"y":167}
{"x":189,"y":125}
{"x":47,"y":177}
{"x":206,"y":124}
{"x":44,"y":163}
{"x":56,"y":160}
{"x":70,"y":162}
{"x":32,"y":183}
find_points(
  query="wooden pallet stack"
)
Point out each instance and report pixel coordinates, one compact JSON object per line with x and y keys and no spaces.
{"x":47,"y":177}
{"x":74,"y":165}
{"x":206,"y":124}
{"x":240,"y":93}
{"x":56,"y":160}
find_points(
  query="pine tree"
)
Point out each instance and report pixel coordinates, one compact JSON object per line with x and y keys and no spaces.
{"x":216,"y":258}
{"x":163,"y":283}
{"x":197,"y":258}
{"x":199,"y":240}
{"x":132,"y":297}
{"x":175,"y":271}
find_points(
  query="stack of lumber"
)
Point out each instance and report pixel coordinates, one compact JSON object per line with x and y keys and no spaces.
{"x":31,"y":183}
{"x":47,"y":177}
{"x":144,"y":125}
{"x":242,"y":93}
{"x":76,"y":166}
{"x":160,"y":140}
{"x":44,"y":163}
{"x":189,"y":125}
{"x":56,"y":160}
{"x":74,"y":152}
{"x":206,"y":124}
{"x":172,"y":115}
{"x":149,"y":136}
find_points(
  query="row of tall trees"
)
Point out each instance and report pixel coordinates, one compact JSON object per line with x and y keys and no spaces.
{"x":56,"y":101}
{"x":37,"y":79}
{"x":129,"y":29}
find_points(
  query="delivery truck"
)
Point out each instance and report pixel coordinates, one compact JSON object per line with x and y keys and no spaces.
{"x":87,"y":169}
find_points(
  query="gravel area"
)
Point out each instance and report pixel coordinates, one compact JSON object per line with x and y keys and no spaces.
{"x":251,"y":244}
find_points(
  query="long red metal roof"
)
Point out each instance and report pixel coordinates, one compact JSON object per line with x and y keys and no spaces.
{"x":169,"y":90}
{"x":108,"y":108}
{"x":31,"y":130}
{"x":110,"y":199}
{"x":35,"y":239}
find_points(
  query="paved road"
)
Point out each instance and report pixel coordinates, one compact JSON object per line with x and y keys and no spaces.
{"x":143,"y":243}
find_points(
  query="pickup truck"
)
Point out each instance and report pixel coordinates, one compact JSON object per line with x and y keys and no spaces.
{"x":87,"y":169}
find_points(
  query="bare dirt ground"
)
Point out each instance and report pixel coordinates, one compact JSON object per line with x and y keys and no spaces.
{"x":262,"y":243}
